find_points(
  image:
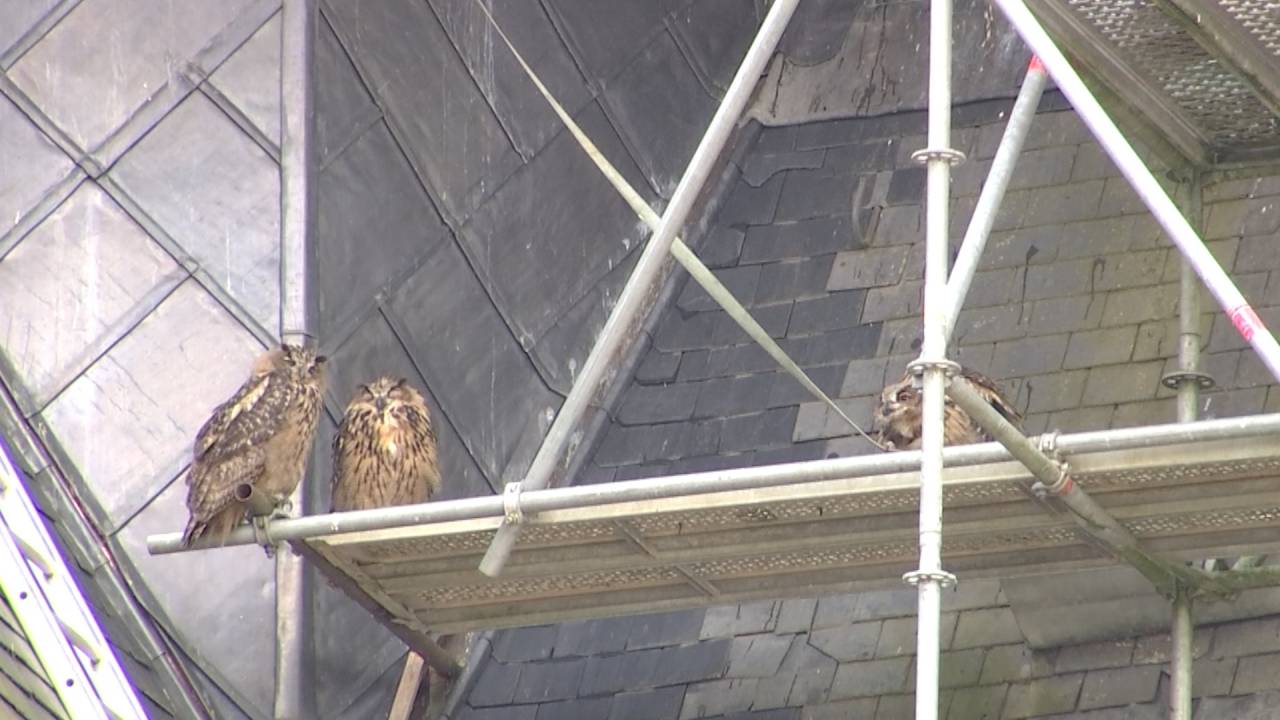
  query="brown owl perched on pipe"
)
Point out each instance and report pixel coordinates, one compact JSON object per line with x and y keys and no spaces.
{"x":897,"y":417}
{"x":260,"y":437}
{"x":385,"y":450}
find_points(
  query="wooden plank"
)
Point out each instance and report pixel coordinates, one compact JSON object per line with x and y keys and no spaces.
{"x":407,"y":690}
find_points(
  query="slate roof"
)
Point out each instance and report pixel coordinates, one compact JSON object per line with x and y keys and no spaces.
{"x":464,"y":242}
{"x":1073,"y":310}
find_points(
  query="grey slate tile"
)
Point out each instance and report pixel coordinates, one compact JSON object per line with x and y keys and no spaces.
{"x":217,"y":194}
{"x":721,"y":247}
{"x":73,"y":286}
{"x":747,"y":205}
{"x":757,"y":656}
{"x":718,"y":697}
{"x":870,"y":677}
{"x":660,"y":107}
{"x":648,"y":404}
{"x":523,"y":112}
{"x":374,"y":223}
{"x":658,"y":367}
{"x":663,"y":629}
{"x":759,"y":166}
{"x":89,"y":89}
{"x":1004,"y":663}
{"x":496,"y":684}
{"x":472,"y":361}
{"x":848,"y":643}
{"x":907,"y":187}
{"x":592,"y":637}
{"x":549,"y":680}
{"x":805,"y":238}
{"x":1258,"y":705}
{"x":659,"y":704}
{"x":609,"y":674}
{"x":788,"y":391}
{"x":577,"y":709}
{"x":721,"y":397}
{"x":449,"y":129}
{"x":540,"y":246}
{"x":1043,"y":697}
{"x":250,"y":79}
{"x":525,"y":644}
{"x":793,"y":279}
{"x":758,"y":431}
{"x":770,"y":714}
{"x":814,"y":672}
{"x":512,"y":712}
{"x":20,"y":19}
{"x":810,"y":194}
{"x":715,"y":35}
{"x":1119,"y":686}
{"x":834,"y":312}
{"x":30,"y":155}
{"x":775,"y":319}
{"x":856,"y":709}
{"x":605,"y":39}
{"x":690,"y":663}
{"x":868,"y":268}
{"x":991,"y":626}
{"x":741,"y":281}
{"x":730,"y":620}
{"x":342,"y":103}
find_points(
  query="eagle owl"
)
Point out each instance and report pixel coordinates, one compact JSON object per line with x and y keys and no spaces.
{"x":385,"y":450}
{"x":897,"y":417}
{"x":261,"y":436}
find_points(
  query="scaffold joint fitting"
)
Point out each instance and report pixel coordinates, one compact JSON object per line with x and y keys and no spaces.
{"x":942,"y":577}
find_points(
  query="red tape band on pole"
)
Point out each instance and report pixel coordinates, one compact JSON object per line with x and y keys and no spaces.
{"x":1246,"y":321}
{"x":1035,"y":64}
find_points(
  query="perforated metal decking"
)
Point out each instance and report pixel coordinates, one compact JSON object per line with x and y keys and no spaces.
{"x":1203,"y":75}
{"x":1183,"y":500}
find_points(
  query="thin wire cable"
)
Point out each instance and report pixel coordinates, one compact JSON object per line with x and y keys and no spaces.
{"x":682,"y":253}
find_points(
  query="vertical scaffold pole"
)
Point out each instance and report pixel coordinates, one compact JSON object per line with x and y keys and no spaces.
{"x":297,"y":313}
{"x":938,"y":157}
{"x":1188,"y":380}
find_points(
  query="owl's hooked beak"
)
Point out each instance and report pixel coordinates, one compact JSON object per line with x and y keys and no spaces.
{"x":380,"y":403}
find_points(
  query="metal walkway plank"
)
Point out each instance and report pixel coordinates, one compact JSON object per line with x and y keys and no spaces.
{"x":1182,"y":500}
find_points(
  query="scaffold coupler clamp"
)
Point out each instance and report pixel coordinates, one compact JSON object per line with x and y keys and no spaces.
{"x":940,"y":576}
{"x":512,"y":513}
{"x":951,"y":155}
{"x":261,"y":525}
{"x":1048,"y":444}
{"x":916,"y":367}
{"x":1174,"y":380}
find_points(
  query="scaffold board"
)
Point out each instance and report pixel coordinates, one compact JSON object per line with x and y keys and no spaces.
{"x":1187,"y":500}
{"x":1202,"y":76}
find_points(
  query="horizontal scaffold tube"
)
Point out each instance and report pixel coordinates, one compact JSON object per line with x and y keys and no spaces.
{"x":721,"y":481}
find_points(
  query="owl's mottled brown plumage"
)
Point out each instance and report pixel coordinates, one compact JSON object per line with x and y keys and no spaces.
{"x":897,"y":417}
{"x":262,"y":436}
{"x":385,"y":450}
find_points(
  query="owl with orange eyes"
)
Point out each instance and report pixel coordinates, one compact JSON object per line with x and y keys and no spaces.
{"x":897,"y":424}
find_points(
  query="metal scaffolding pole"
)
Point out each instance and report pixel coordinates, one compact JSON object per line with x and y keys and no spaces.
{"x":1188,"y":380}
{"x":535,"y":501}
{"x":993,"y":191}
{"x":929,"y":578}
{"x":297,"y":312}
{"x":621,"y":330}
{"x":1145,"y":184}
